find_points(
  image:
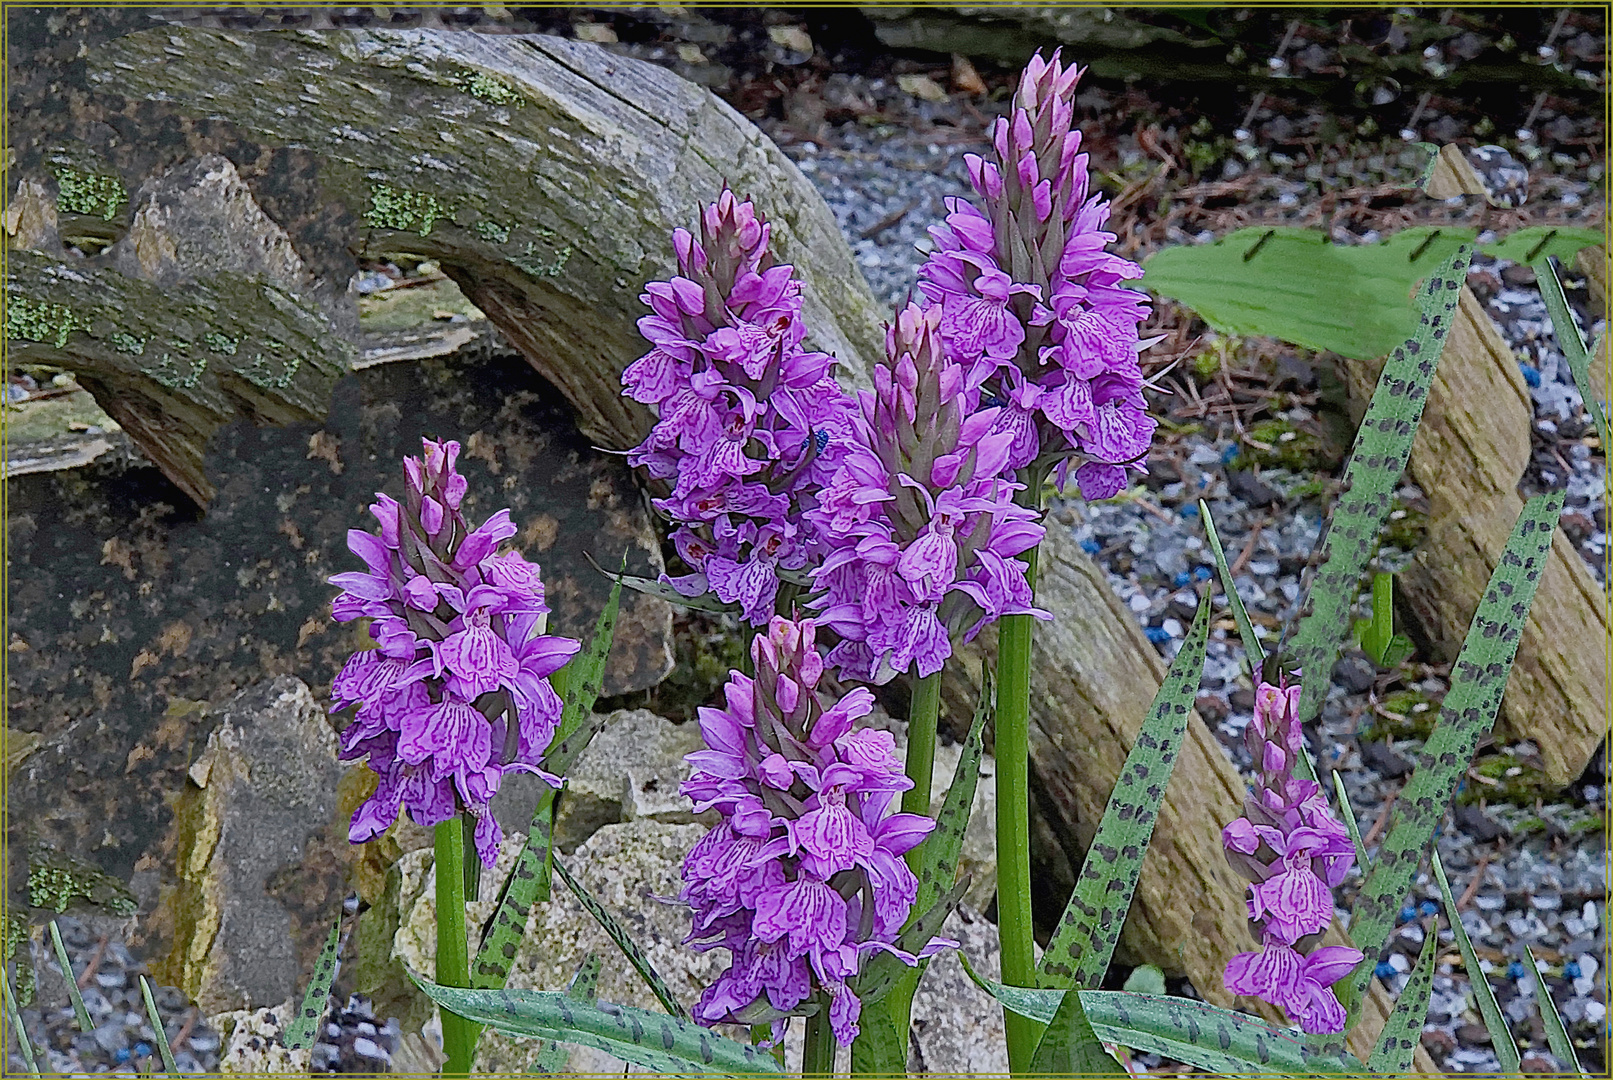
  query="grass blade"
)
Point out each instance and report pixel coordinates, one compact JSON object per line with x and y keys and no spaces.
{"x":1562,"y":1047}
{"x":1571,"y":343}
{"x":304,"y":1027}
{"x":1220,"y":1041}
{"x":80,"y":1013}
{"x":653,"y":1040}
{"x":156,"y":1026}
{"x":14,"y":1018}
{"x":1348,"y":813}
{"x":1506,"y":1050}
{"x":1079,"y":952}
{"x":1246,"y":629}
{"x":1397,"y":1043}
{"x":529,"y":879}
{"x":1477,"y":681}
{"x":1382,"y":448}
{"x":634,"y":954}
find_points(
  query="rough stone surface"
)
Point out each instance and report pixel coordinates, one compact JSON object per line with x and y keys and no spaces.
{"x":957,"y":1028}
{"x":632,"y":769}
{"x":1471,"y":449}
{"x":254,"y":1045}
{"x":266,"y":781}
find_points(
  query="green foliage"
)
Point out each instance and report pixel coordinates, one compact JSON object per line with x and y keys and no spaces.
{"x":406,"y":211}
{"x":1382,"y":448}
{"x":56,"y":881}
{"x":304,"y":1027}
{"x":654,"y":1041}
{"x":1478,"y":679}
{"x":34,"y":320}
{"x":1376,"y":636}
{"x":1070,"y":1047}
{"x":635,"y":955}
{"x":881,"y":970}
{"x":92,"y":194}
{"x":489,"y":88}
{"x":80,"y":1013}
{"x":1506,"y":1051}
{"x":14,"y":1019}
{"x":1240,"y":615}
{"x":1146,"y":979}
{"x":156,"y":1026}
{"x":581,"y":678}
{"x":1347,"y":812}
{"x":1397,"y":1042}
{"x":1295,"y":285}
{"x":1562,"y":1048}
{"x":1572,"y":345}
{"x":1084,"y":941}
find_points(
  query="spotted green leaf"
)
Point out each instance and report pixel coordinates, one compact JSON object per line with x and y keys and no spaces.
{"x":1240,"y":615}
{"x":80,"y":1013}
{"x":585,"y":984}
{"x":634,"y":954}
{"x":529,"y":879}
{"x":1382,"y":447}
{"x":879,"y":1049}
{"x":14,"y":1020}
{"x":1220,"y":1041}
{"x":1070,"y":1047}
{"x":1477,"y":681}
{"x":881,"y":970}
{"x":654,"y":1041}
{"x":1397,"y":1042}
{"x":1506,"y":1051}
{"x":1348,"y":813}
{"x":304,"y":1027}
{"x":1078,"y":954}
{"x":1562,"y":1047}
{"x":1572,"y":345}
{"x":156,"y":1026}
{"x":553,"y":1057}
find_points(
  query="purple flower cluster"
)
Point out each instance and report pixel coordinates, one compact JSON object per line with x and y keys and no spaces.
{"x":1294,"y":853}
{"x":804,"y":876}
{"x":751,"y":424}
{"x":1034,"y":307}
{"x":456,"y":693}
{"x":919,"y":523}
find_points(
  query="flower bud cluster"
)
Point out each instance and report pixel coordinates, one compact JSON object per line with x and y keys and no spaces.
{"x":1034,"y":307}
{"x":919,"y":524}
{"x":804,"y":875}
{"x":456,"y":694}
{"x":751,"y":424}
{"x":1294,"y":853}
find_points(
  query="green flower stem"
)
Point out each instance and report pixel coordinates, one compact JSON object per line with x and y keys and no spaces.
{"x":921,"y":722}
{"x":818,"y":1052}
{"x":453,"y":958}
{"x":1013,"y":822}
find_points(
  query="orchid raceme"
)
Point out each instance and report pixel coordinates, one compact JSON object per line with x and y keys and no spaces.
{"x":919,"y":524}
{"x":1294,"y":853}
{"x":1034,"y":307}
{"x":804,"y":875}
{"x":751,"y":423}
{"x":456,"y":694}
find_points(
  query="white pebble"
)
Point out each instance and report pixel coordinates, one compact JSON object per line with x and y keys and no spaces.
{"x":1171,"y":627}
{"x":1594,"y":1011}
{"x":367,"y":1048}
{"x":1138,"y":602}
{"x":1400,"y":963}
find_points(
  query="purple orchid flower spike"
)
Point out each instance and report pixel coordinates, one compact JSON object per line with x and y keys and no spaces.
{"x":1033,"y":305}
{"x":751,"y":424}
{"x":456,"y":695}
{"x":919,"y":526}
{"x":803,"y":876}
{"x":1294,"y":852}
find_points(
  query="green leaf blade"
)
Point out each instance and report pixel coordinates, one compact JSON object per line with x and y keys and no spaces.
{"x":14,"y":1018}
{"x":156,"y":1026}
{"x":80,"y":1013}
{"x":1083,"y":943}
{"x":1246,"y":629}
{"x":1070,"y":1047}
{"x":1571,"y":344}
{"x":1377,"y":461}
{"x":941,"y":850}
{"x":881,"y":970}
{"x":1506,"y":1050}
{"x":1397,"y":1042}
{"x":639,"y":1037}
{"x":304,"y":1027}
{"x":1478,"y":679}
{"x":635,"y":955}
{"x":1562,"y":1047}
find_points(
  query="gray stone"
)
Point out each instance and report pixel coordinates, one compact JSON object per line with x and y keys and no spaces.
{"x":957,"y":1028}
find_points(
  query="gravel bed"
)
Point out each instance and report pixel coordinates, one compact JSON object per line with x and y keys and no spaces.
{"x":1534,"y":875}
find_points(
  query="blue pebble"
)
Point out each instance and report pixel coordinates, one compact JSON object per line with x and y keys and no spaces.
{"x":1385,"y":971}
{"x":121,"y":1054}
{"x":1091,"y":547}
{"x":1156,"y":634}
{"x":1202,"y":573}
{"x":1230,"y":454}
{"x":142,"y":1049}
{"x":1408,"y":913}
{"x":1189,"y":510}
{"x":1515,"y":970}
{"x":1428,"y":907}
{"x":1182,"y":579}
{"x":1531,"y":374}
{"x":1571,"y":969}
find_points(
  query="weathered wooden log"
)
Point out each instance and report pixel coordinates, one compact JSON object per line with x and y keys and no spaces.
{"x":1093,"y":677}
{"x":1470,"y":452}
